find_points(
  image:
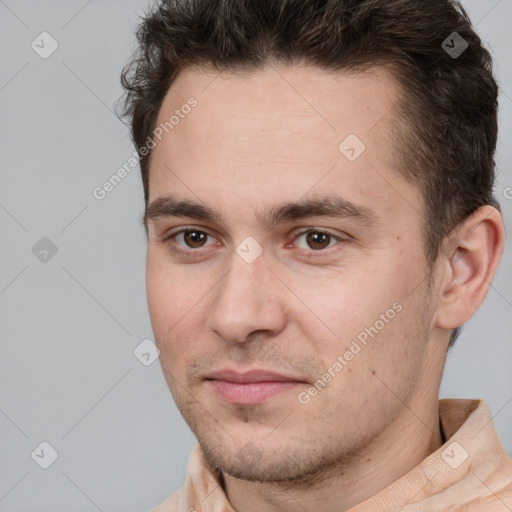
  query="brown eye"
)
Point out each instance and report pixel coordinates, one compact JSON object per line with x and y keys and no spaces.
{"x":317,"y":240}
{"x":194,"y":239}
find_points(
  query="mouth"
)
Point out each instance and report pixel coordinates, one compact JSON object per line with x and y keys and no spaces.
{"x":250,"y":388}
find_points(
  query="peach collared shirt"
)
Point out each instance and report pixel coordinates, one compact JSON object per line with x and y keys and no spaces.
{"x":471,"y":472}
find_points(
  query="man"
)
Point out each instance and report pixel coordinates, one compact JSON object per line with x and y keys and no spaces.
{"x":318,"y":182}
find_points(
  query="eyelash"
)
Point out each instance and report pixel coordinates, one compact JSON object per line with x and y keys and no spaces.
{"x":188,"y":252}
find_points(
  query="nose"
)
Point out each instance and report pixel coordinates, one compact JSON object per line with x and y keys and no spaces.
{"x":248,"y":302}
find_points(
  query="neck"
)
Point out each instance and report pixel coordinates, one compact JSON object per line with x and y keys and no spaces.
{"x":405,"y":443}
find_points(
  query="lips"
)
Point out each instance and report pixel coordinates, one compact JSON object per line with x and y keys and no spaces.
{"x":252,"y":376}
{"x":254,"y":387}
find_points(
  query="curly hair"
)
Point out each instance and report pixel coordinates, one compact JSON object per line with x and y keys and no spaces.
{"x":445,"y":123}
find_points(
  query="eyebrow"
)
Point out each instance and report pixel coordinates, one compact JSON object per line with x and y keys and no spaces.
{"x":326,"y":206}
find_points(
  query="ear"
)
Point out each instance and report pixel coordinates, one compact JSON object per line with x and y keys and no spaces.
{"x":469,"y":261}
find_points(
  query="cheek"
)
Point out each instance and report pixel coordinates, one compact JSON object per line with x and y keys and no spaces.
{"x":344,"y":303}
{"x":159,"y":296}
{"x":370,"y":316}
{"x":165,"y":308}
{"x":175,"y":310}
{"x":169,"y":293}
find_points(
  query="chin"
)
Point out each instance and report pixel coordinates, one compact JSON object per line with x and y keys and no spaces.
{"x":248,"y":463}
{"x":267,"y":464}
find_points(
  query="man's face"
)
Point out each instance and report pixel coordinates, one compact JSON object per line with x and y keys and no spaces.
{"x":348,"y":289}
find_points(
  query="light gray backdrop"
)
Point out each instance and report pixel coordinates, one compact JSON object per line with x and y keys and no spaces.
{"x":71,"y":319}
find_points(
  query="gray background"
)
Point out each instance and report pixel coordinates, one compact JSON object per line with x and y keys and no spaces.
{"x":69,"y":326}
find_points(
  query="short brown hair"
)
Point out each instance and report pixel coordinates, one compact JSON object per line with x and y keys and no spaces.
{"x":446,"y":122}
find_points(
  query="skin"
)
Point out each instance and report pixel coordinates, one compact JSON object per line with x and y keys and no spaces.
{"x":255,"y":141}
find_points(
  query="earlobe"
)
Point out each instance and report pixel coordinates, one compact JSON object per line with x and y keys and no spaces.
{"x":470,"y":259}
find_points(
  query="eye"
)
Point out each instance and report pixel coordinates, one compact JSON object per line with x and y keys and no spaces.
{"x":189,"y":238}
{"x":317,"y":240}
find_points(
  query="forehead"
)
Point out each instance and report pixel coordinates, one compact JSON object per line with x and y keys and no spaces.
{"x":296,"y":97}
{"x":278,"y":131}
